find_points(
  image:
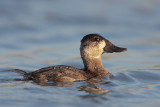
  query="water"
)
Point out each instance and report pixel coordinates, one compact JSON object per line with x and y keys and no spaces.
{"x":36,"y":34}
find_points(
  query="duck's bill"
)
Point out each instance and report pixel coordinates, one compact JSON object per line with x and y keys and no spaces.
{"x":110,"y":48}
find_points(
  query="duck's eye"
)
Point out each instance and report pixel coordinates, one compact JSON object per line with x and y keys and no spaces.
{"x":96,"y":39}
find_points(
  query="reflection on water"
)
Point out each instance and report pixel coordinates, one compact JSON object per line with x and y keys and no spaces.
{"x":93,"y":89}
{"x":37,"y":34}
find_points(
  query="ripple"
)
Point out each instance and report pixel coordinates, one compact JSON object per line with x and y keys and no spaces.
{"x":125,"y":78}
{"x":145,"y":76}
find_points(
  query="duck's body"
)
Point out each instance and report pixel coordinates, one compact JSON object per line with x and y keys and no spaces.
{"x":92,"y":46}
{"x":60,"y":73}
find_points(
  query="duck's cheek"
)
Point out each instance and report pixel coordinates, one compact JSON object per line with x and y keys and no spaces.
{"x":102,"y":44}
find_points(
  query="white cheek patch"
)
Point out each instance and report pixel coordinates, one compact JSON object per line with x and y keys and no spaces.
{"x":102,"y":44}
{"x":87,"y":50}
{"x":95,"y":50}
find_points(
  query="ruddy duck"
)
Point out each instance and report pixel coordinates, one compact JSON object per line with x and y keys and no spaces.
{"x":92,"y":46}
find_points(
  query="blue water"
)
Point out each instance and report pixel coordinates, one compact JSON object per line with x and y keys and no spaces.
{"x":37,"y":34}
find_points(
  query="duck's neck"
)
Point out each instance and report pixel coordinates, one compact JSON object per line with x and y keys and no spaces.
{"x":93,"y":65}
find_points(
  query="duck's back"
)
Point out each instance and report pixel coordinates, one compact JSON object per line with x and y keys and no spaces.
{"x":59,"y":73}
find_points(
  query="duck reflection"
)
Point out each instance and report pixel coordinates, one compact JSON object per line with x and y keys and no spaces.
{"x":95,"y":92}
{"x":91,"y":86}
{"x":94,"y":89}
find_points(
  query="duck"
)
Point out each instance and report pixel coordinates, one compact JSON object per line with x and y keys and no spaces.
{"x":91,"y":48}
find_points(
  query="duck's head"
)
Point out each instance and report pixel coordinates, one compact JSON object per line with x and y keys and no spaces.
{"x":94,"y":45}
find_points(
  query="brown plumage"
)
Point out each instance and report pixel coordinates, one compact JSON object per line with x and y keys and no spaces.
{"x":92,"y":46}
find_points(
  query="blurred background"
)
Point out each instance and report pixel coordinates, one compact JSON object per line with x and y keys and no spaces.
{"x":40,"y":33}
